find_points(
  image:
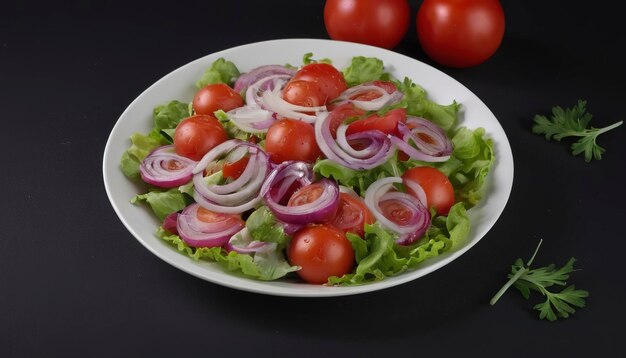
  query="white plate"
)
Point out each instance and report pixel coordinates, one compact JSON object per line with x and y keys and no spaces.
{"x":179,"y":85}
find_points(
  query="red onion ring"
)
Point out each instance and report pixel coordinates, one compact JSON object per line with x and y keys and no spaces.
{"x":166,"y":169}
{"x":170,"y":223}
{"x":246,"y":79}
{"x":432,"y":142}
{"x":197,"y":233}
{"x":273,"y":100}
{"x":301,"y":214}
{"x":251,"y":119}
{"x":386,"y":98}
{"x":377,"y":151}
{"x":241,"y":194}
{"x":255,"y":91}
{"x":381,"y":193}
{"x":243,"y":243}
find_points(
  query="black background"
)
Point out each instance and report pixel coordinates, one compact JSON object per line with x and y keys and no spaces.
{"x":74,"y":282}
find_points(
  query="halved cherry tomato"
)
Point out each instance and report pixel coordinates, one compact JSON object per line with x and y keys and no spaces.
{"x":387,"y":124}
{"x":290,"y":139}
{"x":321,"y":251}
{"x":327,"y":77}
{"x":340,"y":114}
{"x":209,"y":216}
{"x":233,"y":170}
{"x":438,"y":189}
{"x":352,"y":215}
{"x":304,"y":93}
{"x":306,"y":194}
{"x":395,"y":211}
{"x":211,"y":98}
{"x":196,"y":135}
{"x":371,"y":95}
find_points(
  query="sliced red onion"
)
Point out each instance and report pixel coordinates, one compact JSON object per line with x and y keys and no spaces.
{"x":166,"y":169}
{"x":414,"y":153}
{"x":198,"y":233}
{"x":251,"y":119}
{"x":170,"y":222}
{"x":381,"y":193}
{"x":385,"y":98}
{"x":429,"y":138}
{"x":243,"y":243}
{"x":377,"y":149}
{"x":289,"y":228}
{"x":239,"y":195}
{"x":255,"y":92}
{"x":246,"y":79}
{"x":301,"y":214}
{"x":272,"y":100}
{"x":284,"y":175}
{"x":417,"y":190}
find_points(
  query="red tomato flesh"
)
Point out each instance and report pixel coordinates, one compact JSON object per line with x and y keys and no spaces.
{"x":214,"y":97}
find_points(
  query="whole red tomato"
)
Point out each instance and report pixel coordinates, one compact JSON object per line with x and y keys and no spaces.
{"x":381,"y":23}
{"x":460,"y":33}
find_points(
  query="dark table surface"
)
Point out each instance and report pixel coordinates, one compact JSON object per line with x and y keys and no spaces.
{"x":75,"y":282}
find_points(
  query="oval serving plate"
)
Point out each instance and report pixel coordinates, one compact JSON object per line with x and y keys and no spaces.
{"x":179,"y":84}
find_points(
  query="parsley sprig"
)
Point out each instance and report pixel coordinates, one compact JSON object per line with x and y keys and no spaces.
{"x":557,"y":304}
{"x":573,"y":122}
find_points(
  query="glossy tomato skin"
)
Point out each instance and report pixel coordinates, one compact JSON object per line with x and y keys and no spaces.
{"x":381,"y":23}
{"x":325,"y":76}
{"x":388,"y":123}
{"x":304,"y":93}
{"x":438,"y":189}
{"x":460,"y":33}
{"x":308,"y":194}
{"x":196,"y":135}
{"x":213,"y":97}
{"x":352,"y":215}
{"x":321,"y":251}
{"x":290,"y":139}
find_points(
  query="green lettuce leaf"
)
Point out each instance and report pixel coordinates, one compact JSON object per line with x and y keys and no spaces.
{"x":166,"y":117}
{"x":308,"y":59}
{"x":468,"y":166}
{"x":221,"y":71}
{"x":357,"y":179}
{"x":141,"y":146}
{"x":417,"y":104}
{"x":266,"y":266}
{"x":364,"y":69}
{"x":378,"y":256}
{"x":262,"y":226}
{"x":162,"y":202}
{"x":233,"y":131}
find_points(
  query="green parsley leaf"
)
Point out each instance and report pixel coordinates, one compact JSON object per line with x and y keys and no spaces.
{"x":573,"y":122}
{"x":557,"y":304}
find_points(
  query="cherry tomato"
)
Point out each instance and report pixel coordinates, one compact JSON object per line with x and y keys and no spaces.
{"x":381,"y":23}
{"x":387,"y":124}
{"x":395,"y":211}
{"x":321,"y":251}
{"x":352,"y":215}
{"x":290,"y":139}
{"x":341,"y":113}
{"x":438,"y":189}
{"x":196,"y":135}
{"x":307,"y":194}
{"x":304,"y":93}
{"x":214,"y":97}
{"x":327,"y":77}
{"x":233,"y":170}
{"x":460,"y":33}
